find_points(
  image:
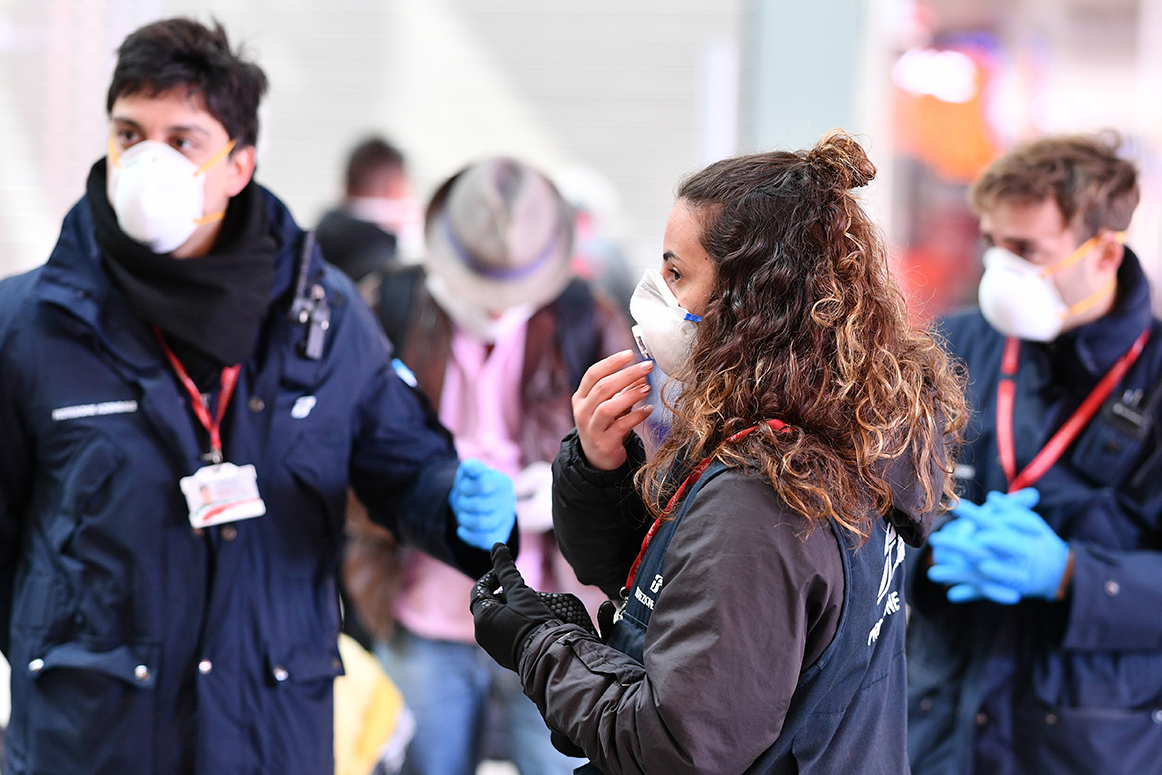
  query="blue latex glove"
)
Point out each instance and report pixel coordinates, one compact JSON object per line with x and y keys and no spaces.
{"x":1022,"y":550}
{"x":484,"y":503}
{"x":955,"y":554}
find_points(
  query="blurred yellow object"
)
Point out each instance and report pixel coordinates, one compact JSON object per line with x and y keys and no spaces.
{"x":369,"y":710}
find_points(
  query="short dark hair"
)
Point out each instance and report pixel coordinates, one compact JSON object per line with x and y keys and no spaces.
{"x":181,"y":53}
{"x":1093,"y":187}
{"x":373,"y":157}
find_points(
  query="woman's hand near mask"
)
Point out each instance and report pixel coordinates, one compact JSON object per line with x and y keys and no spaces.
{"x":603,"y":407}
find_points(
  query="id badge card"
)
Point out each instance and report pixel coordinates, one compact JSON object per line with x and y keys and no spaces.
{"x":222,"y":493}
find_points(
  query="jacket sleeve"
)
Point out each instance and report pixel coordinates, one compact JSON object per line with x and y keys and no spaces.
{"x":403,"y":461}
{"x":723,"y":652}
{"x":1109,"y":595}
{"x":598,"y":517}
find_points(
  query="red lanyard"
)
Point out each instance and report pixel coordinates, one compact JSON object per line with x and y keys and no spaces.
{"x":1049,"y":454}
{"x":694,"y":476}
{"x":227,"y":382}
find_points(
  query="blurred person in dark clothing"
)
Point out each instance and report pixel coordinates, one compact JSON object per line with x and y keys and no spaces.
{"x":378,"y":219}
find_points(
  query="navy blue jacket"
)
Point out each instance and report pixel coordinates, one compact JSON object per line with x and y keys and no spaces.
{"x":137,"y":644}
{"x":1061,"y":687}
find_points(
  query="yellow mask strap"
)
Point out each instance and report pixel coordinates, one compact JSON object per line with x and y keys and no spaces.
{"x":114,"y":157}
{"x":1079,"y":254}
{"x":1090,"y":300}
{"x":211,"y":217}
{"x":219,"y":156}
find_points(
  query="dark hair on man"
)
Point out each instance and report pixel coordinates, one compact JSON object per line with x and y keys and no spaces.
{"x":183,"y":54}
{"x":1093,"y":187}
{"x":372,"y":159}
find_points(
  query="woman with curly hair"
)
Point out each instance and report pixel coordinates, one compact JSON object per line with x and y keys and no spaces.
{"x":759,"y":553}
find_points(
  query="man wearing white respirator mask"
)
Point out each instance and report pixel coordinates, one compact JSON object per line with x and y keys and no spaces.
{"x":186,"y":392}
{"x":1034,"y":640}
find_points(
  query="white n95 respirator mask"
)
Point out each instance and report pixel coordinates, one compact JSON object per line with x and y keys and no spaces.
{"x":158,"y":194}
{"x":665,"y":331}
{"x":1020,"y":299}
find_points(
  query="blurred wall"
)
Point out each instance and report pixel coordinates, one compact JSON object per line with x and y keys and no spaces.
{"x":639,"y":92}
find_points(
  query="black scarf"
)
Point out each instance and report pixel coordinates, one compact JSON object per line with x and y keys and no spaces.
{"x":210,"y":308}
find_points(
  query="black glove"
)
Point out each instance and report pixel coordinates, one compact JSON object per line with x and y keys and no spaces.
{"x":505,"y":621}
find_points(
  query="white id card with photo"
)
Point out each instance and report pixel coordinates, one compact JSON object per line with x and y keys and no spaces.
{"x":222,"y":493}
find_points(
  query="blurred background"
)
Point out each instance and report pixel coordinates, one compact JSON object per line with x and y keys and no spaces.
{"x":618,"y":99}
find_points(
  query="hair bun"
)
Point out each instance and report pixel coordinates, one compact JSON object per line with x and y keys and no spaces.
{"x":840,"y":160}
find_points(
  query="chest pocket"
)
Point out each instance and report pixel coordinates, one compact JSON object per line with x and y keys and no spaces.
{"x":68,"y":588}
{"x":318,"y":459}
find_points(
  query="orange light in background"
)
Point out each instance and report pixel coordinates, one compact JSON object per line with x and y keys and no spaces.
{"x":940,"y":112}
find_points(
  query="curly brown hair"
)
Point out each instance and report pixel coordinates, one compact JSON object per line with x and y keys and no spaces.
{"x":805,"y":324}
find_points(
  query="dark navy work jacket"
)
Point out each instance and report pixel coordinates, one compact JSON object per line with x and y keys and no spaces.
{"x":1074,"y":686}
{"x":137,"y":644}
{"x":846,"y":708}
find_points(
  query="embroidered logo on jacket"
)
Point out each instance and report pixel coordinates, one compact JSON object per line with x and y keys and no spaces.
{"x":93,"y":410}
{"x":303,"y":406}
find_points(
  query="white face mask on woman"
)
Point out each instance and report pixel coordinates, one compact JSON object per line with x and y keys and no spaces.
{"x":158,"y":194}
{"x":665,"y":331}
{"x":1020,"y":299}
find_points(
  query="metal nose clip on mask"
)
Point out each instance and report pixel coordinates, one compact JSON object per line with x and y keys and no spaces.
{"x":158,"y":194}
{"x":1020,"y":299}
{"x":665,"y":331}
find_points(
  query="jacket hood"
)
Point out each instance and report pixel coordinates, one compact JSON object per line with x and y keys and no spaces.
{"x":908,"y":514}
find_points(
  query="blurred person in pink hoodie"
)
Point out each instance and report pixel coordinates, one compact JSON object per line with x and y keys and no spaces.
{"x":498,"y":332}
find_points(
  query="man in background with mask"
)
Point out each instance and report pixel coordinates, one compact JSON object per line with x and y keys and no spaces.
{"x":186,"y":391}
{"x":378,"y":223}
{"x":1035,"y":641}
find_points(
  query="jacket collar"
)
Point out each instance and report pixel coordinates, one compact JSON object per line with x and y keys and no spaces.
{"x":74,"y":280}
{"x":1097,"y":345}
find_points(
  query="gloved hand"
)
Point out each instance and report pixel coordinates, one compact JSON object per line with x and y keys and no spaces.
{"x":505,"y":620}
{"x":955,"y":552}
{"x":1023,"y":552}
{"x":483,"y":501}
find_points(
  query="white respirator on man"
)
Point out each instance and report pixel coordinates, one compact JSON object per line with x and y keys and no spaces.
{"x":158,"y":194}
{"x":665,"y":331}
{"x":1019,"y":298}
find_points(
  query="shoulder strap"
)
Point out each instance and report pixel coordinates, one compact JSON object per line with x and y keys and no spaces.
{"x":577,"y":329}
{"x":397,"y":293}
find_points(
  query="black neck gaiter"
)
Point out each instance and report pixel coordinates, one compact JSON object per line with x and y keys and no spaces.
{"x":212,"y":305}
